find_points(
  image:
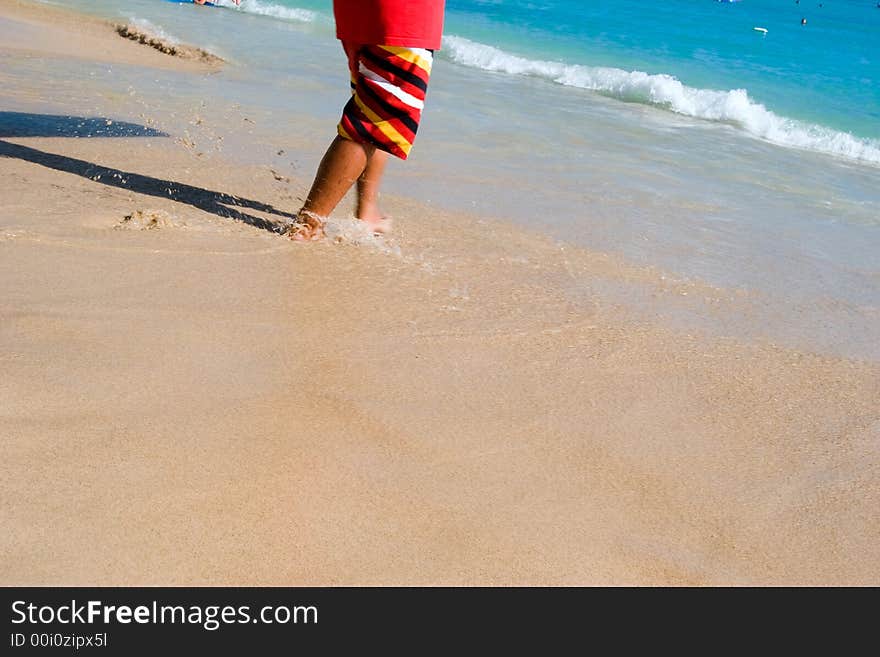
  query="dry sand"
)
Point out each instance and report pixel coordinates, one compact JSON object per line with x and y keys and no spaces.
{"x":188,"y":398}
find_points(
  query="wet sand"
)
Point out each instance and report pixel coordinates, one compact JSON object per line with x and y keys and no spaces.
{"x":30,"y":29}
{"x":188,"y":398}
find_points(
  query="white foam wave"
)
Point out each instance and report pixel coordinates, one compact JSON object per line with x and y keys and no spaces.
{"x":666,"y":91}
{"x":152,"y":29}
{"x":357,"y":233}
{"x":273,"y":10}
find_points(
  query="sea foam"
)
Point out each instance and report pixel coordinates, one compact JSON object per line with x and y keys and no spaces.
{"x":667,"y":92}
{"x":268,"y":9}
{"x":152,"y":29}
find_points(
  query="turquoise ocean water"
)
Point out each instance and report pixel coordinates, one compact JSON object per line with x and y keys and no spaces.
{"x":813,"y":86}
{"x":672,"y":133}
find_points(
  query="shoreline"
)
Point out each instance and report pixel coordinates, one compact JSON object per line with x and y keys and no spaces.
{"x":191,"y":399}
{"x":57,"y":31}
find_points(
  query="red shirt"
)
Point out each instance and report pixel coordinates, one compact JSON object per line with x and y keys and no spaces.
{"x":413,"y":23}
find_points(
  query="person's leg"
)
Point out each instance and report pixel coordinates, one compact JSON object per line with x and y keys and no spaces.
{"x":381,"y":118}
{"x":342,"y":165}
{"x":367,"y":209}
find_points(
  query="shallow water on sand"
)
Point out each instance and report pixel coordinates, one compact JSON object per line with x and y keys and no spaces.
{"x":696,"y":198}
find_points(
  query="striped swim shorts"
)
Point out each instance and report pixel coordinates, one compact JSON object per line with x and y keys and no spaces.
{"x":388,"y":86}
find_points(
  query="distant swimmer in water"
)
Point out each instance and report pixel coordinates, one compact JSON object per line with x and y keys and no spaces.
{"x":208,"y":2}
{"x":803,"y":21}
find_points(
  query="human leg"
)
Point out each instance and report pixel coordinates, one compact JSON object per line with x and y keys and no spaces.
{"x":367,"y":209}
{"x":381,"y":118}
{"x":342,"y":165}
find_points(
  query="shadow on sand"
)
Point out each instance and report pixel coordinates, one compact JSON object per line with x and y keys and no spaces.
{"x":21,"y":124}
{"x":15,"y":124}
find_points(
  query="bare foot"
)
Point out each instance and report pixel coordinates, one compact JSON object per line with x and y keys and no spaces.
{"x":379,"y":225}
{"x":308,"y":228}
{"x":368,"y":211}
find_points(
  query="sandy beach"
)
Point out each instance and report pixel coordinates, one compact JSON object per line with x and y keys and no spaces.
{"x":188,"y":398}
